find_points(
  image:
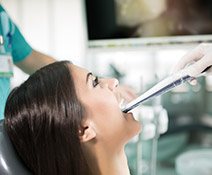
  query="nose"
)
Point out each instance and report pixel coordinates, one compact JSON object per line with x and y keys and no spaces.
{"x":112,"y":83}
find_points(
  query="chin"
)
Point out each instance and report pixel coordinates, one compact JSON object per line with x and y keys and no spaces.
{"x":133,"y":129}
{"x":137,"y":128}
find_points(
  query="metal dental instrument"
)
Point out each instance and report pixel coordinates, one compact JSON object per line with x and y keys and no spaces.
{"x":161,"y":88}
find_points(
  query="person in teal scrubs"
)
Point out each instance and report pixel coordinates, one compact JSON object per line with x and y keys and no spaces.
{"x":22,"y":54}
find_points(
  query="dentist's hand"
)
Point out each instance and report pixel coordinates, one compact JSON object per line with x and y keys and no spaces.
{"x":200,"y":58}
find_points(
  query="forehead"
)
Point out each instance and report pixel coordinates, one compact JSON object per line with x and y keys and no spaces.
{"x":78,"y":71}
{"x":79,"y":74}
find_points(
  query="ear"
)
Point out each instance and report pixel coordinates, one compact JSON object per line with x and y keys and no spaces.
{"x":87,"y":134}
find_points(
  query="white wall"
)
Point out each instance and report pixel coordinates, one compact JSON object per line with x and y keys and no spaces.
{"x":55,"y":27}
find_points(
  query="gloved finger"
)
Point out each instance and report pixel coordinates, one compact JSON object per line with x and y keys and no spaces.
{"x":194,"y":55}
{"x":198,"y":67}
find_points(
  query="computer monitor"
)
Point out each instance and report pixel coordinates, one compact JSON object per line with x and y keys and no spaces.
{"x":121,"y":23}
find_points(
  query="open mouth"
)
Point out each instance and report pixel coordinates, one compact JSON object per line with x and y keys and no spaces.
{"x":124,"y":114}
{"x":128,"y":115}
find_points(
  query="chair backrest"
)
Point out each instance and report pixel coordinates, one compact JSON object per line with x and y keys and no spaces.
{"x":10,"y":163}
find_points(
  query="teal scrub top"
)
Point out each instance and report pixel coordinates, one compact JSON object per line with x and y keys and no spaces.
{"x":15,"y":44}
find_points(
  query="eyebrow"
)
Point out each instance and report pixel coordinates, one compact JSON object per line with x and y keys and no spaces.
{"x":88,"y":75}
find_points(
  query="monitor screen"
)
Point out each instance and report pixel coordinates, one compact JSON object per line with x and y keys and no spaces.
{"x":143,"y":19}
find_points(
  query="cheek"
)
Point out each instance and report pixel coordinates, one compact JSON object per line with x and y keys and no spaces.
{"x":104,"y":106}
{"x":104,"y":110}
{"x":108,"y":119}
{"x":103,"y":101}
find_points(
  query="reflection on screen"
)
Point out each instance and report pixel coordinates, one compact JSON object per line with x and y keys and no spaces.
{"x":116,"y":19}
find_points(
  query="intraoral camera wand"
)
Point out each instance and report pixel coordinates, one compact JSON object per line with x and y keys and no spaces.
{"x":161,"y":88}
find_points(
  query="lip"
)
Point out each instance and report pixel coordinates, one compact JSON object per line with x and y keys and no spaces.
{"x":128,"y":115}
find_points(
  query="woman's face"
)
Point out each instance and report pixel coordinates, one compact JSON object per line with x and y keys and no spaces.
{"x":100,"y":100}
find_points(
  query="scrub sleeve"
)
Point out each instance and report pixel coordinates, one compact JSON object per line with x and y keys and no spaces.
{"x":16,"y":45}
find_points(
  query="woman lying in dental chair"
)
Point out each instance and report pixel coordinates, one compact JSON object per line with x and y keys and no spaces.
{"x":65,"y":121}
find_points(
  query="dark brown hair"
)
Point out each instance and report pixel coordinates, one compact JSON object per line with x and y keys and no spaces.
{"x":43,"y":117}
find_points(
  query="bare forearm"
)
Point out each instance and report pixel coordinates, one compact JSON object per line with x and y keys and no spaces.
{"x":35,"y":61}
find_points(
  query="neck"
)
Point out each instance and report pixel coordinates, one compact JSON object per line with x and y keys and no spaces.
{"x":103,"y":161}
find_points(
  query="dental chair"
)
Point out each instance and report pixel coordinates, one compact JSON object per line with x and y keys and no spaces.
{"x":10,"y":163}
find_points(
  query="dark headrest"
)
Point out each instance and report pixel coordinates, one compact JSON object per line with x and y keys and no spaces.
{"x":10,"y":163}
